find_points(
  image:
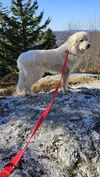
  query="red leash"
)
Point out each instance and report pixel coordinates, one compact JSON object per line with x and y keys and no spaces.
{"x":8,"y":169}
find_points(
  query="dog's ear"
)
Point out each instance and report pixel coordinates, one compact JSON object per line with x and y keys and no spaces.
{"x":72,"y":44}
{"x":73,"y":40}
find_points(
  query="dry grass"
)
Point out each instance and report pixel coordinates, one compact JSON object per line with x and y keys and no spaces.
{"x":46,"y":86}
{"x":8,"y":84}
{"x":8,"y":80}
{"x":9,"y":91}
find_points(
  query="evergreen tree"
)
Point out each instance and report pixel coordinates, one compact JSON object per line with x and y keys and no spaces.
{"x":48,"y":40}
{"x":4,"y":60}
{"x":29,"y":28}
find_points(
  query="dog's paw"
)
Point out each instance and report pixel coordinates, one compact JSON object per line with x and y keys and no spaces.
{"x":31,"y":94}
{"x":67,"y":89}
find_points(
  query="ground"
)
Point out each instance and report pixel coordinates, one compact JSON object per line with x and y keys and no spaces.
{"x":68,"y":142}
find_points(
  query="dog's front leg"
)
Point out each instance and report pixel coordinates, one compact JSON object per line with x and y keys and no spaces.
{"x":65,"y":80}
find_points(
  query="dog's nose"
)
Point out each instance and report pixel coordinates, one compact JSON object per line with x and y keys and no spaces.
{"x":88,"y":46}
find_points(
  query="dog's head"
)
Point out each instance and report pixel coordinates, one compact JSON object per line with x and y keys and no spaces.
{"x":78,"y":43}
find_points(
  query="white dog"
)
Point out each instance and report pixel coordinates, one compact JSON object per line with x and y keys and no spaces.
{"x":34,"y":63}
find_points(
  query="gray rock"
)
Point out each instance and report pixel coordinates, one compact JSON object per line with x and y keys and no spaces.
{"x":68,"y":142}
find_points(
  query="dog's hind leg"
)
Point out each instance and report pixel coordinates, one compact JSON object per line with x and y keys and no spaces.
{"x":32,"y":78}
{"x":29,"y":84}
{"x":21,"y":82}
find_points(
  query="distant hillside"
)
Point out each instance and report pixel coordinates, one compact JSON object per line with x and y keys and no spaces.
{"x":64,"y":34}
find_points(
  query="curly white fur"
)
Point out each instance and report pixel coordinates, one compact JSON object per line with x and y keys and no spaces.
{"x":34,"y":63}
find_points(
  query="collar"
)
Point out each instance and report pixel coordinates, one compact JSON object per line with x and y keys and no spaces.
{"x":72,"y":53}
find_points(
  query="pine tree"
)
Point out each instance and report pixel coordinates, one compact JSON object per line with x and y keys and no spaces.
{"x":48,"y":40}
{"x":29,"y":28}
{"x":4,"y":60}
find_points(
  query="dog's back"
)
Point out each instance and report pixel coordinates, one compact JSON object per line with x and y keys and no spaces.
{"x":27,"y":57}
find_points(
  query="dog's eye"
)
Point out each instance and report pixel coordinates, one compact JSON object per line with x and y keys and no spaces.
{"x":81,"y":40}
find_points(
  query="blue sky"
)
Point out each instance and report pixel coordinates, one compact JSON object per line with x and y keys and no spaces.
{"x":65,"y":14}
